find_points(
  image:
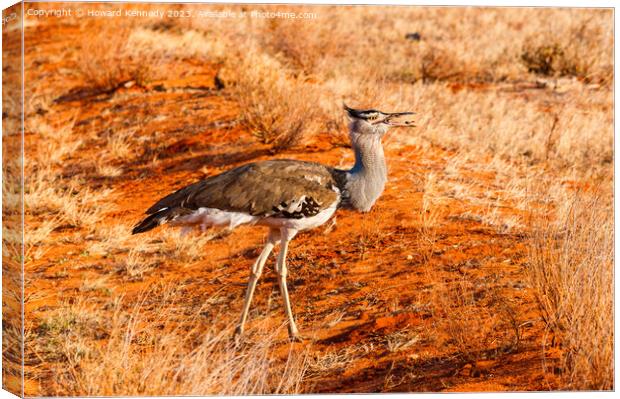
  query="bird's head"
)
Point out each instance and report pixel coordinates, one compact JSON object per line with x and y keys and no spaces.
{"x":372,"y":121}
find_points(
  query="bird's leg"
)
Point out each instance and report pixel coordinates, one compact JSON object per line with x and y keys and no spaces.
{"x":282,"y":272}
{"x":257,"y":269}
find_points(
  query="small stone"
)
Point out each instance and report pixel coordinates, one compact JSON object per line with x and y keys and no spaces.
{"x":409,"y":257}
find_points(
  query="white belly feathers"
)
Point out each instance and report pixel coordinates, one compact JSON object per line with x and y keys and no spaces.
{"x":211,"y":217}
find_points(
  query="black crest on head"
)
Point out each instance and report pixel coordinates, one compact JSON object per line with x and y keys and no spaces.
{"x":359,"y":113}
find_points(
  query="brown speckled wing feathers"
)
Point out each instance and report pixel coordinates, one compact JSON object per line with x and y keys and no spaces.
{"x":277,"y":188}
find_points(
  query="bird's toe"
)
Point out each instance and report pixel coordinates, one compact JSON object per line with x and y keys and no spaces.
{"x":295,"y":336}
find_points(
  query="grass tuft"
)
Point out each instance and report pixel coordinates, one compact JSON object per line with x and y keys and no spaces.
{"x":279,"y":109}
{"x":571,"y":269}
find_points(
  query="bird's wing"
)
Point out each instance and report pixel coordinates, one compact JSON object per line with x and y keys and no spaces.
{"x":280,"y":188}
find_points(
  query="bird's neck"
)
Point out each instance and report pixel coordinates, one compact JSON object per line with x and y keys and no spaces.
{"x":367,"y":178}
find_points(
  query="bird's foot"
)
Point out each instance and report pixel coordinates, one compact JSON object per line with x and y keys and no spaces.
{"x":295,"y":336}
{"x":238,"y":336}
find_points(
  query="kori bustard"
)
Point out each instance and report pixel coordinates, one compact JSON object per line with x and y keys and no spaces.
{"x":287,"y":196}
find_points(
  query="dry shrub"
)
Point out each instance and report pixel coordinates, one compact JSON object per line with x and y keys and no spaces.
{"x":279,"y":109}
{"x":439,"y":64}
{"x":474,"y":319}
{"x":578,"y":50}
{"x":156,"y":355}
{"x":109,"y":57}
{"x":571,"y":269}
{"x":301,"y":46}
{"x":546,"y":60}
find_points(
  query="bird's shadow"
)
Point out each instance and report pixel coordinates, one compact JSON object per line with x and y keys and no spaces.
{"x":434,"y":374}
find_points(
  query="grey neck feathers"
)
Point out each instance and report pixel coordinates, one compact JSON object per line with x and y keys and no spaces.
{"x":366,"y":180}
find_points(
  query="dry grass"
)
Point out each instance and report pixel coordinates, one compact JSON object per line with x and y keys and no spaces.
{"x":115,"y":239}
{"x":136,"y":263}
{"x":429,"y":216}
{"x":50,"y":201}
{"x":523,"y":130}
{"x":189,"y":247}
{"x":572,"y":270}
{"x":65,"y":200}
{"x":334,"y":361}
{"x":11,"y":186}
{"x":119,"y":144}
{"x":118,"y":239}
{"x":401,"y":340}
{"x":58,"y":142}
{"x":120,"y":148}
{"x":159,"y":356}
{"x":137,"y":255}
{"x":474,"y":319}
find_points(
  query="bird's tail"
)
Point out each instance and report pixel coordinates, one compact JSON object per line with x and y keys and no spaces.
{"x":154,"y":220}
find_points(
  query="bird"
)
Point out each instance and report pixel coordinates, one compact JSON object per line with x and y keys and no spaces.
{"x":287,"y":196}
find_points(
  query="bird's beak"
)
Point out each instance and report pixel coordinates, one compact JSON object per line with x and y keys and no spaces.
{"x":400,"y":119}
